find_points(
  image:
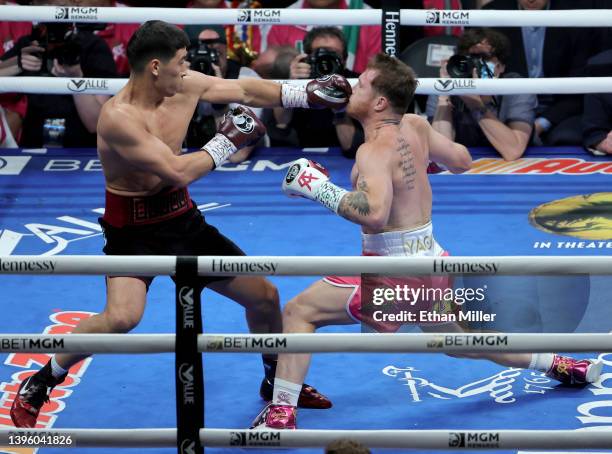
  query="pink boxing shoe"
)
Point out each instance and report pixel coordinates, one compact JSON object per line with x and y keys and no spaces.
{"x":570,"y":371}
{"x":275,"y":417}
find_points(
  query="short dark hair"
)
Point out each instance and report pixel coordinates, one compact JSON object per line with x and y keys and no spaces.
{"x":154,"y":39}
{"x":318,"y":32}
{"x":395,"y":80}
{"x":499,"y":42}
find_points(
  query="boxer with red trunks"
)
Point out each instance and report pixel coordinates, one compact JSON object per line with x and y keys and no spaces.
{"x":391,"y":200}
{"x":148,"y":208}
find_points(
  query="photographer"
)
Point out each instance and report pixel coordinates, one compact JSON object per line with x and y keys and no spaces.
{"x":207,"y":54}
{"x":503,"y":122}
{"x":325,"y":53}
{"x":61,"y":50}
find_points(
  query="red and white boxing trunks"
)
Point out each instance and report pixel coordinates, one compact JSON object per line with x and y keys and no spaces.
{"x":404,"y":243}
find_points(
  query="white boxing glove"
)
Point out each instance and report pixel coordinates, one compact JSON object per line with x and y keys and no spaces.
{"x":311,"y":180}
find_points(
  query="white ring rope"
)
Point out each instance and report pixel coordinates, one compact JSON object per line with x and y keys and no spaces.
{"x":291,"y":16}
{"x":426,"y":86}
{"x":459,"y":439}
{"x":312,"y":343}
{"x":155,"y":265}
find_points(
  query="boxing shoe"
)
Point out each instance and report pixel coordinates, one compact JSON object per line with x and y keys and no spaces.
{"x":278,"y":417}
{"x":309,"y":396}
{"x":574,"y":372}
{"x":33,"y":392}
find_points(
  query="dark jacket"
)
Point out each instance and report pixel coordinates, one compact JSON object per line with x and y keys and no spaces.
{"x":565,"y":54}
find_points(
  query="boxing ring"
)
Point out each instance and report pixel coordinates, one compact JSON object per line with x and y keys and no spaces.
{"x":48,"y":209}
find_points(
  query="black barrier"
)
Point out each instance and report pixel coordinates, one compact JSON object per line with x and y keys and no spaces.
{"x":189,"y":376}
{"x":391,"y":27}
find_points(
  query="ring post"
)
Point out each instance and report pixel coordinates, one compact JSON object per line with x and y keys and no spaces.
{"x":189,"y":376}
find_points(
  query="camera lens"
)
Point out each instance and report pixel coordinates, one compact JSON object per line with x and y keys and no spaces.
{"x":460,"y":66}
{"x":201,"y":58}
{"x":324,"y":62}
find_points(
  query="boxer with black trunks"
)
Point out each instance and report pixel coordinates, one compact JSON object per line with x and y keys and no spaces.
{"x":148,"y":208}
{"x":392,"y":201}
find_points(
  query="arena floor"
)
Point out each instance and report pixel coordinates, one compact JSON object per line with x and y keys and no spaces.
{"x":49,"y":203}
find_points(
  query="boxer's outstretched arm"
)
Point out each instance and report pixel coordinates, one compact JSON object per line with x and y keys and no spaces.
{"x":369,"y":204}
{"x":248,"y":91}
{"x":128,"y":138}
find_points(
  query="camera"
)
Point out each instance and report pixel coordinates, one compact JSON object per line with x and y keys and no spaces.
{"x":201,"y":58}
{"x":324,"y":62}
{"x":462,"y":66}
{"x":60,"y":41}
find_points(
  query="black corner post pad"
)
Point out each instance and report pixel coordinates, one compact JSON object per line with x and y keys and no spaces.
{"x":189,"y":376}
{"x":391,"y":27}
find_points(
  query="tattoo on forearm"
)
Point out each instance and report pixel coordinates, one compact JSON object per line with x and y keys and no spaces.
{"x":355,"y":202}
{"x":407,"y":162}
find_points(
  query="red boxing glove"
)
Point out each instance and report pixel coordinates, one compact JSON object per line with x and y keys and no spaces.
{"x":239,"y":128}
{"x":331,"y":91}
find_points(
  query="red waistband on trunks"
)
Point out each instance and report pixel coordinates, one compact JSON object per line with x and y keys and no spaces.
{"x":127,"y":210}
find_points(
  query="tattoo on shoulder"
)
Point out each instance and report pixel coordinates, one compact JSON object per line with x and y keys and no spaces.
{"x":406,"y":162}
{"x":356,"y":201}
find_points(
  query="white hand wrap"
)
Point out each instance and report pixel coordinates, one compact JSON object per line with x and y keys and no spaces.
{"x":292,"y":96}
{"x":330,"y":195}
{"x":219,"y":148}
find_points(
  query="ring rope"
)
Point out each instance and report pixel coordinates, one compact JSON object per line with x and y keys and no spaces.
{"x":459,"y":439}
{"x":312,"y":343}
{"x":155,"y":265}
{"x":426,"y":86}
{"x":333,"y":17}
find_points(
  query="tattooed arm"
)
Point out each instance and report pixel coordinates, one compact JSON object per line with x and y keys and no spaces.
{"x":369,"y":204}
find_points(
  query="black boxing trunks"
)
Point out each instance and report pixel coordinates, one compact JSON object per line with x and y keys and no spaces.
{"x":167,"y":223}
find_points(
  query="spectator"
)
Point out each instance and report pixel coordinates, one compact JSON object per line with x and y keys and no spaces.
{"x":13,"y":105}
{"x":597,"y":115}
{"x":208,"y":54}
{"x":244,"y":40}
{"x":321,"y":128}
{"x":116,"y":36}
{"x":550,"y":52}
{"x":367,"y":38}
{"x":67,"y":51}
{"x":504,"y":122}
{"x":274,"y":62}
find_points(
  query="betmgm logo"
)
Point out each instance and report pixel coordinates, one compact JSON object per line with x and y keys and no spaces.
{"x":438,"y":342}
{"x":13,"y":165}
{"x":255,"y":438}
{"x":584,"y":216}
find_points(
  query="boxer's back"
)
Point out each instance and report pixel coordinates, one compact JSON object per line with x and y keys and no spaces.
{"x":406,"y":150}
